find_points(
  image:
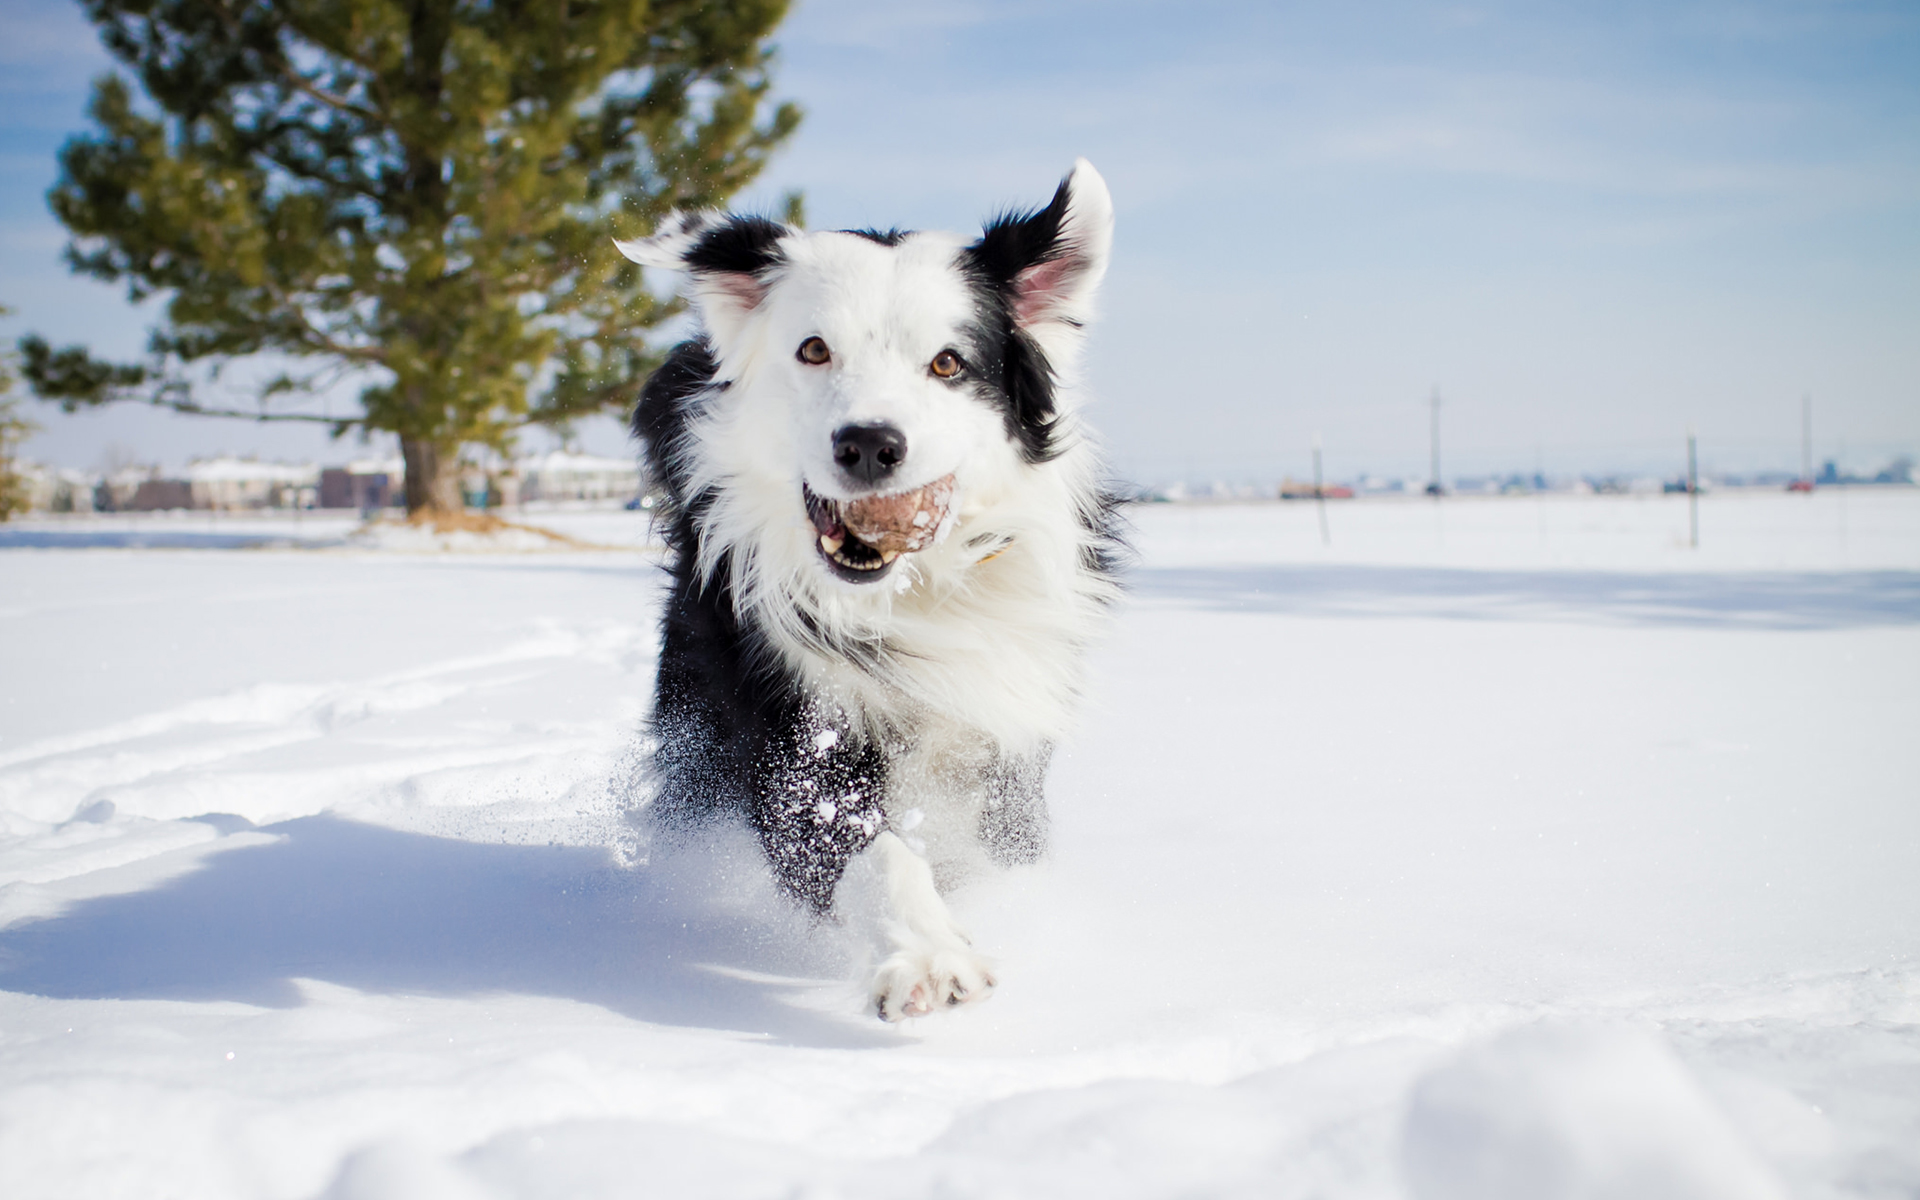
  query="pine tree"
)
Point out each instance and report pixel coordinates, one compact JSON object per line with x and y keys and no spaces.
{"x":14,"y":429}
{"x":419,"y":193}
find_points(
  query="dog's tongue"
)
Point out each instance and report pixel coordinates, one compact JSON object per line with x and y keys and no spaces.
{"x":903,"y":522}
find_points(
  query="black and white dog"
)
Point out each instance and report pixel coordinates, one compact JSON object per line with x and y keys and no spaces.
{"x":891,"y":548}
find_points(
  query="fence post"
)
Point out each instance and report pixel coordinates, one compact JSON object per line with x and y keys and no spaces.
{"x":1693,"y":494}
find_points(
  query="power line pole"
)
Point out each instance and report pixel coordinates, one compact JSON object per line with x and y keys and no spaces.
{"x":1435,"y":488}
{"x":1693,"y":494}
{"x":1806,"y":440}
{"x":1320,"y":494}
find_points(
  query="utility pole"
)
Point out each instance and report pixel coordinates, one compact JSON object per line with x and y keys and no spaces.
{"x":1693,"y":494}
{"x":1436,"y":489}
{"x":1320,"y":494}
{"x":1806,"y":440}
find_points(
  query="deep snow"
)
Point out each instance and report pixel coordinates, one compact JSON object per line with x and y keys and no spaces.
{"x":1507,"y":848}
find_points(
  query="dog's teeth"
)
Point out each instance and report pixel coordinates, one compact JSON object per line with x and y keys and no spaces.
{"x":887,"y":556}
{"x":831,"y":544}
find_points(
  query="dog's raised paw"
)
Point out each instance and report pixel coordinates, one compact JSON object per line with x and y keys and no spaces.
{"x":913,"y":983}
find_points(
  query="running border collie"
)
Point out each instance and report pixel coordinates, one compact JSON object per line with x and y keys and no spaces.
{"x":891,"y":696}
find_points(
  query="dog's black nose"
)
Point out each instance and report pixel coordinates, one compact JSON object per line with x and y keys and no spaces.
{"x":869,"y":453}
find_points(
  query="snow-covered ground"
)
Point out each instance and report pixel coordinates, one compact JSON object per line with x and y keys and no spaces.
{"x":604,"y":525}
{"x":1506,"y":848}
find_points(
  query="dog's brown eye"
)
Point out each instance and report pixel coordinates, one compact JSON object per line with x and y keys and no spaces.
{"x":814,"y":352}
{"x":945,"y":364}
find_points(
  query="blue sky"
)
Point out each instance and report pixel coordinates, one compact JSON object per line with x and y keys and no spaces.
{"x":1588,"y":225}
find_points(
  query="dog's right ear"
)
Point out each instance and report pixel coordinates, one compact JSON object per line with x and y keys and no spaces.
{"x":668,"y":247}
{"x":1049,"y":263}
{"x":729,"y":261}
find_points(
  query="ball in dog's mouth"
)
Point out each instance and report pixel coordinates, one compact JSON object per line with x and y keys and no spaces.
{"x":861,"y":538}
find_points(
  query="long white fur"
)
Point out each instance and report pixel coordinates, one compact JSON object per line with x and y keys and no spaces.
{"x":978,"y":650}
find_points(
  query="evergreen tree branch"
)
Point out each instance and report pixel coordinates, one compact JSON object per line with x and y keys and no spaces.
{"x":194,"y":409}
{"x":424,"y":187}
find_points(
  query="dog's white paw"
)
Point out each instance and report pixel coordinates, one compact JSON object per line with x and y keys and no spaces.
{"x":913,"y":983}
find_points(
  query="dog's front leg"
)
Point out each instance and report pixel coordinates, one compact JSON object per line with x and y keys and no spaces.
{"x":931,"y":962}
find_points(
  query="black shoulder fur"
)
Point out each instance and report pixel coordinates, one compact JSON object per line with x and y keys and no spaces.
{"x":735,"y":731}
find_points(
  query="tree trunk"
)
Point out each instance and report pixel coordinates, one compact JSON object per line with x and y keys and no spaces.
{"x":433,"y":485}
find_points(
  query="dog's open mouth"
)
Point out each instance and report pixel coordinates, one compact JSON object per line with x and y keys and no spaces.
{"x":860,"y":539}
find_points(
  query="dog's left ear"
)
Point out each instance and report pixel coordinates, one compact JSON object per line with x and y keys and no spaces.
{"x":729,"y":259}
{"x":1048,"y":264}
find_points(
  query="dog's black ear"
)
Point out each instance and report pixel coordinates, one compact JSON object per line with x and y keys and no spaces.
{"x":730,"y":261}
{"x":1048,"y":264}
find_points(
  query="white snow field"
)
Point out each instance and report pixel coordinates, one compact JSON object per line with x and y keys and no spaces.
{"x":1508,"y":849}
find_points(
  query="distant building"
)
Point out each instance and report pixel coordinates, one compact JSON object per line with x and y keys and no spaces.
{"x":1291,"y":489}
{"x":364,"y":485}
{"x":156,"y":494}
{"x":114,"y":491}
{"x":242,"y":483}
{"x":564,"y":475}
{"x":1900,"y":470}
{"x":56,"y":489}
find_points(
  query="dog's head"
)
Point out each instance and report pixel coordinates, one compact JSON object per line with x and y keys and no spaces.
{"x":877,"y":382}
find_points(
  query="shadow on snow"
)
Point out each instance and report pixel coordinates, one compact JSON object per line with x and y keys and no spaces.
{"x":1811,"y":600}
{"x":155,"y":539}
{"x":386,"y":911}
